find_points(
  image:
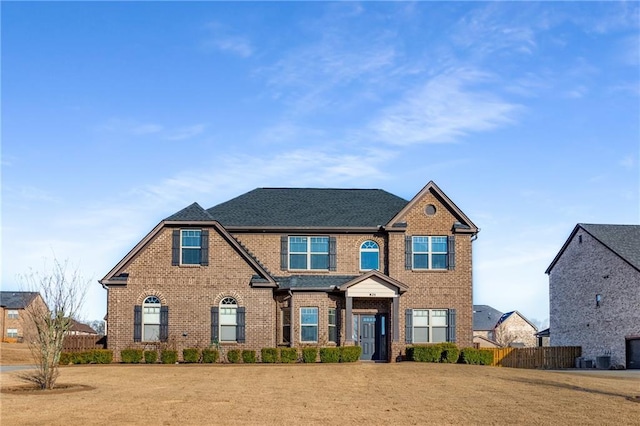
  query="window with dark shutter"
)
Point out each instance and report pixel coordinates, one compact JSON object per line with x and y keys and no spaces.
{"x":284,"y":253}
{"x":408,"y":326}
{"x":451,"y":329}
{"x":164,"y":323}
{"x":332,"y":254}
{"x":214,"y":325}
{"x":408,"y":252}
{"x":451,"y":252}
{"x":137,"y":323}
{"x":204,"y":248}
{"x":175,"y":247}
{"x":240,"y":334}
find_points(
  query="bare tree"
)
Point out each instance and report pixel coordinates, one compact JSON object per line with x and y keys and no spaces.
{"x":49,"y":319}
{"x":503,"y":336}
{"x":98,"y":326}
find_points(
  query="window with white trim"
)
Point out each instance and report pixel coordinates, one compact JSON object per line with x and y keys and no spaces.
{"x":286,"y":325}
{"x":228,"y":319}
{"x":429,"y":325}
{"x":308,"y":252}
{"x":309,"y":324}
{"x":429,"y":252}
{"x":12,"y":314}
{"x":151,"y":319}
{"x":333,"y":329}
{"x":190,"y":246}
{"x":12,"y":332}
{"x":369,"y":256}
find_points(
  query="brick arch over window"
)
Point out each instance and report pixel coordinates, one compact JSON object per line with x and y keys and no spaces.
{"x":220,"y":319}
{"x":142,"y":296}
{"x":140,"y":318}
{"x":232,"y":294}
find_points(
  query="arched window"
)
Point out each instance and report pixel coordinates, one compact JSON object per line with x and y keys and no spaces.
{"x":151,"y":319}
{"x":228,"y":319}
{"x":369,"y":256}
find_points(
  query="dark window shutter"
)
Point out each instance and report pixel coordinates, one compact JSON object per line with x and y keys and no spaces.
{"x":408,"y":326}
{"x":204,"y":248}
{"x":451,"y":252}
{"x":137,"y":323}
{"x":240,"y":318}
{"x":332,"y":254}
{"x":175,"y":248}
{"x":408,"y":252}
{"x":451,"y":329}
{"x":284,"y":253}
{"x":164,"y":323}
{"x":214,"y":324}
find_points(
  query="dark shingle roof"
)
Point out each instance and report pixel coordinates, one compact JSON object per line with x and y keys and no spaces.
{"x":16,"y":299}
{"x":485,"y":317}
{"x":193,"y":212}
{"x":326,"y":282}
{"x":624,"y":240}
{"x":309,"y":207}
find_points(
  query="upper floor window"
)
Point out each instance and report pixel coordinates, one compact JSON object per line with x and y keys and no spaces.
{"x":429,"y":252}
{"x":151,"y":319}
{"x":308,"y":252}
{"x":12,"y":314}
{"x":369,"y":256}
{"x":190,"y":247}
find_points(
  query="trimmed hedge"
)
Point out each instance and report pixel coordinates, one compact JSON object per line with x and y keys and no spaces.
{"x":450,"y":353}
{"x":269,"y":355}
{"x":309,"y":355}
{"x":475,"y":356}
{"x":210,"y":356}
{"x":131,"y":356}
{"x":329,"y":355}
{"x":191,"y":355}
{"x":168,"y":356}
{"x":425,"y":353}
{"x":350,"y":353}
{"x":288,"y":355}
{"x":150,"y":357}
{"x":234,"y":356}
{"x":248,"y":356}
{"x":94,"y":356}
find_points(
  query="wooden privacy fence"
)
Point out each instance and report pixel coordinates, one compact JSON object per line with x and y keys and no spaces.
{"x":549,"y":357}
{"x":80,"y":343}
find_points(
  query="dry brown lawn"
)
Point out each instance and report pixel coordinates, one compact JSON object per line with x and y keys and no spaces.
{"x":360,"y":393}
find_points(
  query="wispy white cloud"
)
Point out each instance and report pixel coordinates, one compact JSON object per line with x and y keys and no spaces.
{"x":186,"y":132}
{"x":226,"y":40}
{"x":442,"y":110}
{"x":628,"y":162}
{"x":129,"y":127}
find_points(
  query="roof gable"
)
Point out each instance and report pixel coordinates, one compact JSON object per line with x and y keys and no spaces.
{"x":194,"y":212}
{"x":485,"y":317}
{"x":464,"y":225}
{"x":17,"y":299}
{"x":308,"y":207}
{"x":622,"y":240}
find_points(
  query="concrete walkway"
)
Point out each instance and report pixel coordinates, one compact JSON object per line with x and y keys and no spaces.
{"x":8,"y":368}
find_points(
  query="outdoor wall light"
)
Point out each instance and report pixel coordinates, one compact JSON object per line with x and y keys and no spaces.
{"x":598,"y":300}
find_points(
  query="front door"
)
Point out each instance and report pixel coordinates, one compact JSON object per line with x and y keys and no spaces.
{"x":368,"y":336}
{"x":370,"y":332}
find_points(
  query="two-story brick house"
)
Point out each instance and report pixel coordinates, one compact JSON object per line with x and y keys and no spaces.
{"x":297,"y":267}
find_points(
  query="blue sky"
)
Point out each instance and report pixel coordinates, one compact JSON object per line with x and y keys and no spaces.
{"x":116,"y":115}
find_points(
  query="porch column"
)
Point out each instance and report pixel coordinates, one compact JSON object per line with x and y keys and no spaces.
{"x":348,"y":321}
{"x":396,"y":318}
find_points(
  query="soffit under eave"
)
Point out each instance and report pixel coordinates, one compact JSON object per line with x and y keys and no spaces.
{"x":386,"y":280}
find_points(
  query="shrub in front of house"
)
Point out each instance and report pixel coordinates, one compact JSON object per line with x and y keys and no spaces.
{"x":269,"y":355}
{"x":329,"y":355}
{"x":450,"y":353}
{"x":150,"y":357}
{"x":94,"y":356}
{"x":249,"y":356}
{"x":131,"y":356}
{"x":309,"y":355}
{"x":102,"y":356}
{"x":234,"y":356}
{"x":210,"y":356}
{"x":486,"y":357}
{"x":350,"y":353}
{"x":168,"y":356}
{"x":191,"y":355}
{"x":475,"y":356}
{"x":288,"y":355}
{"x":425,"y":353}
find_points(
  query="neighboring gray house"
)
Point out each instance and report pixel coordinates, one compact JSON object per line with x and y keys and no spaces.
{"x":492,"y":328}
{"x":485,"y":319}
{"x":594,"y":293}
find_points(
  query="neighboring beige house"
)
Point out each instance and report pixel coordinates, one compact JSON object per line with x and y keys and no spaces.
{"x":492,"y":328}
{"x":594,"y":294}
{"x":15,"y":324}
{"x":299,"y":267}
{"x":79,"y":329}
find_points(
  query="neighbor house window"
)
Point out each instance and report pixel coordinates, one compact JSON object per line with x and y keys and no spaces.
{"x":429,"y":252}
{"x":228,"y":319}
{"x":12,"y":314}
{"x":190,"y":246}
{"x":151,"y":319}
{"x":286,"y":325}
{"x":333,"y":330}
{"x":429,"y":325}
{"x":309,"y":324}
{"x":369,"y":256}
{"x":12,"y":332}
{"x":309,"y":252}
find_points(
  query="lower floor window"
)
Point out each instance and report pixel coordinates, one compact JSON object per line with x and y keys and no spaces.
{"x":228,"y":319}
{"x":333,"y":330}
{"x":309,"y":324}
{"x":429,"y":325}
{"x":12,"y":332}
{"x":286,"y":325}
